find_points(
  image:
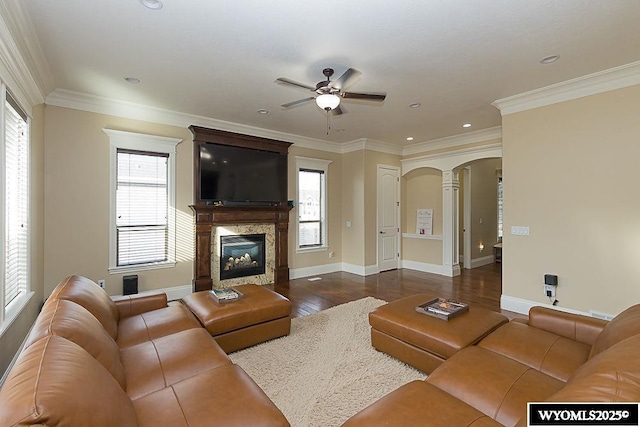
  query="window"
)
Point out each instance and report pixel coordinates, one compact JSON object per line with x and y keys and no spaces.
{"x":142,"y":214}
{"x":142,"y":232}
{"x":312,"y":203}
{"x":14,"y":215}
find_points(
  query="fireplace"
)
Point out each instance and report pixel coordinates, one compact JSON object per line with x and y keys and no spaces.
{"x":242,"y":255}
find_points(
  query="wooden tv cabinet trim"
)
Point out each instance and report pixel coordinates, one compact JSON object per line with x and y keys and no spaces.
{"x":207,"y":217}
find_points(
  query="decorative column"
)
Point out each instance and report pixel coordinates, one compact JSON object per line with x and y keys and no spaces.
{"x":450,"y":221}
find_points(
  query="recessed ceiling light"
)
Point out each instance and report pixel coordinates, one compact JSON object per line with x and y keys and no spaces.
{"x":152,"y":4}
{"x":133,"y":80}
{"x":466,"y":125}
{"x":263,"y":111}
{"x":549,"y":59}
{"x":409,"y":138}
{"x":414,"y":105}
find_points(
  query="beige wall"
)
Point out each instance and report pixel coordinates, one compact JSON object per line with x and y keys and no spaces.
{"x":353,"y":196}
{"x":14,"y":335}
{"x":422,"y":189}
{"x":571,"y":174}
{"x":334,"y":213}
{"x":77,"y":199}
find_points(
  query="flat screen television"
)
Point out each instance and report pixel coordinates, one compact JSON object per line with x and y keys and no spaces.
{"x":243,"y":176}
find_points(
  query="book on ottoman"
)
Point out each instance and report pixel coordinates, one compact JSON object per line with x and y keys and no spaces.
{"x":225,"y":295}
{"x":442,"y":308}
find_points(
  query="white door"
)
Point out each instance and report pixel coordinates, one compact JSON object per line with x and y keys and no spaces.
{"x":388,"y":217}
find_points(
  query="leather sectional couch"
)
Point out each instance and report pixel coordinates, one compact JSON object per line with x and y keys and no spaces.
{"x":553,"y":357}
{"x":133,"y":361}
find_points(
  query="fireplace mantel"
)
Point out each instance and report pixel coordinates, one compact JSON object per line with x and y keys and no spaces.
{"x":207,"y":217}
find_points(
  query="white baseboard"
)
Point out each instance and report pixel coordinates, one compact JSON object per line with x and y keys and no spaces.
{"x":297,"y":273}
{"x":426,"y":267}
{"x":360,"y":270}
{"x":522,"y":306}
{"x":174,"y":293}
{"x":485,"y":260}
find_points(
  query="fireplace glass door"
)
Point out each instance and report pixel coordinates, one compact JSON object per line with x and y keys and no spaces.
{"x":242,"y":255}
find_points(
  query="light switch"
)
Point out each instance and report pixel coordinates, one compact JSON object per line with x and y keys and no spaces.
{"x":519,"y":230}
{"x":348,"y":224}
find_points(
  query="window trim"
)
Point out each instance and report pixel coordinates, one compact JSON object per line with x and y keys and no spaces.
{"x":9,"y":313}
{"x":146,"y":143}
{"x":308,"y":163}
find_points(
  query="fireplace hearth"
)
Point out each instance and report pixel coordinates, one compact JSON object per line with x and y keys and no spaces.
{"x":242,"y":255}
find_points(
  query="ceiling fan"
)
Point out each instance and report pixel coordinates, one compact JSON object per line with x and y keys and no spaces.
{"x":329,"y":93}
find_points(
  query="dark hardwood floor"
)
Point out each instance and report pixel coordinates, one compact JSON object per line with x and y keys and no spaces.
{"x":480,"y":286}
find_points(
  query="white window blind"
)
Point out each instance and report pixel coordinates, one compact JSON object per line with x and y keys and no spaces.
{"x":142,"y":207}
{"x":16,"y":203}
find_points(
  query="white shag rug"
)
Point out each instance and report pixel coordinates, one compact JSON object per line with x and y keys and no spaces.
{"x":326,"y":370}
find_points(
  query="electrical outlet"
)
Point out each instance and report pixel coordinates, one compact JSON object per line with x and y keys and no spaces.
{"x":101,"y":283}
{"x":550,"y":291}
{"x":331,"y":254}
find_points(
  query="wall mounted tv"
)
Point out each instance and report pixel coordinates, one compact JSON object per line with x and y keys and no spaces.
{"x":241,"y":176}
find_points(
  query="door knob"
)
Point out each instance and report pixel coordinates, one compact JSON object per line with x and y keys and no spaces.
{"x":383,"y":232}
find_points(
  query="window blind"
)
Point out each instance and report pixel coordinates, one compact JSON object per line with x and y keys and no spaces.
{"x":142,"y":228}
{"x":16,"y":135}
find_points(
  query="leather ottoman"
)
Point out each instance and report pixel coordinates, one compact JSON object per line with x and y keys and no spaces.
{"x":260,"y":315}
{"x":422,"y":341}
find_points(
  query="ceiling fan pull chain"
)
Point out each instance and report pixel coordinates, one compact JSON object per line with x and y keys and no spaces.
{"x":328,"y":127}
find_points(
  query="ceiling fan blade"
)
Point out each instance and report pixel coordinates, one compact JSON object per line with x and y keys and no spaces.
{"x":366,"y":96}
{"x":338,"y":111}
{"x":298,"y":102}
{"x":347,"y":78}
{"x":289,"y":82}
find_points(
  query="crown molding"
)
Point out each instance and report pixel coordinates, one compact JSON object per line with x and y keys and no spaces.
{"x":592,"y":84}
{"x":450,"y":160}
{"x":102,"y":105}
{"x":371,"y":144}
{"x":454,"y":141}
{"x":24,"y":68}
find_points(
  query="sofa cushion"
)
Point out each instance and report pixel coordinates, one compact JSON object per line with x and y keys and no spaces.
{"x":153,"y":365}
{"x":549,"y":353}
{"x":493,"y":384}
{"x":572,"y":326}
{"x":223,"y":396}
{"x":611,"y":376}
{"x":55,"y":382}
{"x":622,"y":326}
{"x":419,"y":404}
{"x":88,"y":294}
{"x":155,"y":324}
{"x":71,"y":321}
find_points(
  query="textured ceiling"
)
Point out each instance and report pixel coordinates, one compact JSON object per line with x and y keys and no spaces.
{"x":219,"y":59}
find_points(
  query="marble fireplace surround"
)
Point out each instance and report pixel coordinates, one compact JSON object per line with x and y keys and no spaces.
{"x":239,"y":229}
{"x":210,"y":218}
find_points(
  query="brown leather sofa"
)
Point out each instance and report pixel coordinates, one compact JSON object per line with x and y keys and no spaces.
{"x":133,"y":361}
{"x":552,"y":357}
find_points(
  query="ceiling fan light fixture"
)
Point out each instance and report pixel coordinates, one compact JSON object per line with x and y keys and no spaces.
{"x":328,"y":101}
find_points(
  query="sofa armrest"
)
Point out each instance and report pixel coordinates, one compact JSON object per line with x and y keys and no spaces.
{"x":575,"y":327}
{"x":132,"y":305}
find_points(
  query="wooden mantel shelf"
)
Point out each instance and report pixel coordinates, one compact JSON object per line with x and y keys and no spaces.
{"x":209,"y":216}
